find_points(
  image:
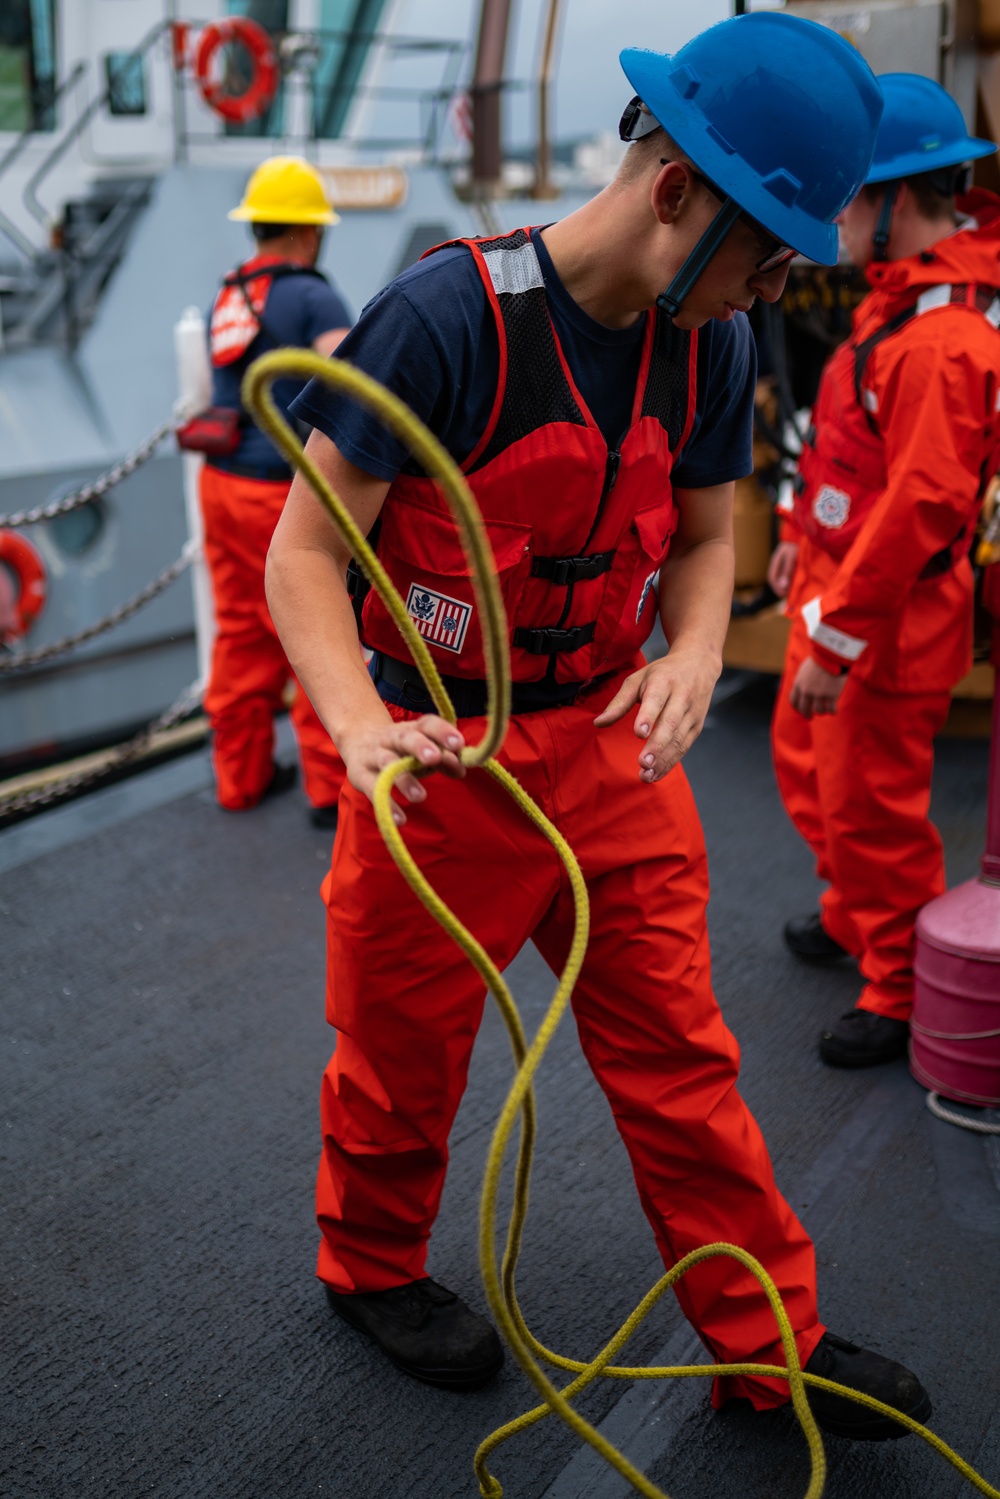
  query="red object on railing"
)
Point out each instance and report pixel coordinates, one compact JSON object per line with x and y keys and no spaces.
{"x":264,"y":70}
{"x":180,"y":36}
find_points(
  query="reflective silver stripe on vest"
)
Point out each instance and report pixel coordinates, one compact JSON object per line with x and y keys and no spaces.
{"x":934,"y":296}
{"x":847,"y":647}
{"x":513,"y":270}
{"x":929,"y":301}
{"x":940,"y":296}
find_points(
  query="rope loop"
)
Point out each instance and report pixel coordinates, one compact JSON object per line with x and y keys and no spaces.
{"x":499,"y":1280}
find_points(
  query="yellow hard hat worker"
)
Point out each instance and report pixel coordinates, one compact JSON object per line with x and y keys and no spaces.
{"x":285,"y":190}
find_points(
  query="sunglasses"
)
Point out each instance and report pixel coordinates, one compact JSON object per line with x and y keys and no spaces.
{"x":776,"y":254}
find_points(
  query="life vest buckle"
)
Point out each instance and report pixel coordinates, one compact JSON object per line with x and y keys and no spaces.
{"x":564,"y":570}
{"x":550,"y":641}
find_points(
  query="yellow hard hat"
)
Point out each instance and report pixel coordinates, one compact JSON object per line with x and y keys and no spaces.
{"x":285,"y":190}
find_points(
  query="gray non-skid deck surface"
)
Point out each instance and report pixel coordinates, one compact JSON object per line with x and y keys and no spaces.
{"x":162,"y":1333}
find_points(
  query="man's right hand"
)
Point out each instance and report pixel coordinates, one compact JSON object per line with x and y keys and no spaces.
{"x":781,"y":569}
{"x":368,"y":750}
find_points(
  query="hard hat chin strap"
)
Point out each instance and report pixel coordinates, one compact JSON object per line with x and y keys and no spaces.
{"x":680,"y":287}
{"x":880,"y":239}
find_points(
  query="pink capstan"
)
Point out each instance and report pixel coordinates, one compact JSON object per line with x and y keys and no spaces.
{"x":955,"y":1030}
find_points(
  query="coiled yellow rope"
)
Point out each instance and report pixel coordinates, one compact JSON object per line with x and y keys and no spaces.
{"x":499,"y":1282}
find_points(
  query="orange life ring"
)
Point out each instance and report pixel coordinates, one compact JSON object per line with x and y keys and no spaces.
{"x":264,"y":71}
{"x":25,"y":562}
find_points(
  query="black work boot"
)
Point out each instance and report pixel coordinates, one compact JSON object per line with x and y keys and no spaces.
{"x":806,"y":937}
{"x":863,"y":1039}
{"x":283,"y":778}
{"x":426,"y":1331}
{"x":836,"y":1358}
{"x":324,"y":817}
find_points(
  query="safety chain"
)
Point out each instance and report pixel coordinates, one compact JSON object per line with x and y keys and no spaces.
{"x":116,"y":617}
{"x":44,"y":796}
{"x":94,"y":490}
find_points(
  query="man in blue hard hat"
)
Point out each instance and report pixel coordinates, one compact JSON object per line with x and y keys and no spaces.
{"x":904,"y":437}
{"x":601,"y":420}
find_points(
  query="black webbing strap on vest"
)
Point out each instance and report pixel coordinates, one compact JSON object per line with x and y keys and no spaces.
{"x":400,"y":682}
{"x":863,"y":352}
{"x":243,"y":279}
{"x":358,"y":586}
{"x":563,"y":570}
{"x":547,"y":641}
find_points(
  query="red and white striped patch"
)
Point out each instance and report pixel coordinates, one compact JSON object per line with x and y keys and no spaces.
{"x":440,"y":620}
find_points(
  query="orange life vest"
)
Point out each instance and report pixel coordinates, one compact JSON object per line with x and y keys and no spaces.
{"x":238,"y":312}
{"x":842,"y":470}
{"x":578,"y":530}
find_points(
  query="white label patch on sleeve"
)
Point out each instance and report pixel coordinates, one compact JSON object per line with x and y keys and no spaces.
{"x":440,"y":620}
{"x":848,"y":647}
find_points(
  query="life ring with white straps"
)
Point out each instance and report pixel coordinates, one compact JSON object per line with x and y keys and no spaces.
{"x":264,"y":71}
{"x":28,"y":567}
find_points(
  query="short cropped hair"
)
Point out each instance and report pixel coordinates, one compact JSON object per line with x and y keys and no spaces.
{"x":645,"y":153}
{"x":263,"y":232}
{"x":934,"y":197}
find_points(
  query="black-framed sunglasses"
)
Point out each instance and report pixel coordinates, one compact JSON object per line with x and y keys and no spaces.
{"x":777,"y":254}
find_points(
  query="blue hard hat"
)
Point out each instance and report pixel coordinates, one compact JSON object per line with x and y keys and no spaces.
{"x":778,"y":111}
{"x":922,"y":129}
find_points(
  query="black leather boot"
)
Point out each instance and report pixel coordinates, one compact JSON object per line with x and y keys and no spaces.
{"x":863,"y":1039}
{"x":835,"y":1358}
{"x":427,"y":1331}
{"x":806,"y":938}
{"x":283,"y":778}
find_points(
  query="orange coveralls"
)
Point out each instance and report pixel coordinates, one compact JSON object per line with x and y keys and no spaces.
{"x":857,"y":783}
{"x":249,"y":668}
{"x":403,"y":998}
{"x":407,"y":1011}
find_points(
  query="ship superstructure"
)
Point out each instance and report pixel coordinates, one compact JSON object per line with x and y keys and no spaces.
{"x":115,"y":179}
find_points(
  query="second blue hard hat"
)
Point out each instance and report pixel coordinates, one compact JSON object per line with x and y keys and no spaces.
{"x":779,"y":112}
{"x":922,"y":130}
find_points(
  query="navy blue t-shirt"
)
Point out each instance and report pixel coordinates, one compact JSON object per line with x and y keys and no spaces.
{"x":430,"y":337}
{"x":298,"y":309}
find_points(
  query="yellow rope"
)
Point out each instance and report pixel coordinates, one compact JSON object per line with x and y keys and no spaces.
{"x":499,"y":1282}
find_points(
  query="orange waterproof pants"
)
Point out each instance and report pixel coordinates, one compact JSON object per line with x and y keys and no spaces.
{"x":249,"y":668}
{"x":857,"y":785}
{"x":407,"y":1006}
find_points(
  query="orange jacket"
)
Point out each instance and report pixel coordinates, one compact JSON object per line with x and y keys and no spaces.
{"x":930,"y":391}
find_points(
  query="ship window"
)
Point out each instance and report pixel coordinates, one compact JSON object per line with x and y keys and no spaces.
{"x":76,"y":532}
{"x":27,"y":65}
{"x":126,"y":79}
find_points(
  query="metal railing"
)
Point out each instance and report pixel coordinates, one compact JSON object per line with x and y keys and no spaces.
{"x":308,"y":59}
{"x":60,"y":277}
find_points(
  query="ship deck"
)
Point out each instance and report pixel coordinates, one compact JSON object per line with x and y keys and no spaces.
{"x":162,"y":1333}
